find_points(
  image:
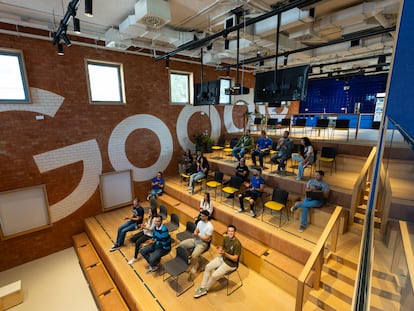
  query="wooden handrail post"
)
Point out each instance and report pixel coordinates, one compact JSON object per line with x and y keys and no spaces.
{"x":299,"y":296}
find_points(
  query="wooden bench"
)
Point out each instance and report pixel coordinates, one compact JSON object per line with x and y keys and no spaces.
{"x":103,"y":288}
{"x":11,"y":295}
{"x":134,"y":292}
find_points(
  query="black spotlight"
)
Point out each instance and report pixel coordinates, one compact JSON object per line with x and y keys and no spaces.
{"x":76,"y":25}
{"x":65,"y":39}
{"x":226,"y":44}
{"x":88,"y":8}
{"x":285,"y":61}
{"x":60,"y":49}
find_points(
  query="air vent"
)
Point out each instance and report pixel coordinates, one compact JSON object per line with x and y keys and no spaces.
{"x":153,"y":13}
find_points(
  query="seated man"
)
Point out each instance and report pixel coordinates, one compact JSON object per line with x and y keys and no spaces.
{"x":284,"y":151}
{"x":243,"y":146}
{"x":254,"y":189}
{"x":159,"y":245}
{"x":133,"y":223}
{"x":157,"y":184}
{"x":316,"y":184}
{"x":263,"y":146}
{"x":242,"y":170}
{"x":202,"y":238}
{"x":202,"y":172}
{"x":229,"y":251}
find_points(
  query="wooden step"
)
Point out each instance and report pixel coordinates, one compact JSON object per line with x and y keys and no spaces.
{"x":340,"y":271}
{"x":362,"y":208}
{"x":337,"y":287}
{"x":360,"y":218}
{"x":328,"y":301}
{"x":310,"y":306}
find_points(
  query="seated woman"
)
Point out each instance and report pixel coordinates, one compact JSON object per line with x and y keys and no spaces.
{"x":205,"y":205}
{"x":308,"y":157}
{"x":145,"y":234}
{"x":202,"y":172}
{"x":157,"y":184}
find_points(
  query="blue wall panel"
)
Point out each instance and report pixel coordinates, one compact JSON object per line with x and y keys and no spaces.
{"x":334,"y":94}
{"x":400,"y":106}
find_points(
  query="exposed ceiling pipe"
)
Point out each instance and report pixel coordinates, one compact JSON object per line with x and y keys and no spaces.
{"x":223,"y":33}
{"x":349,"y":37}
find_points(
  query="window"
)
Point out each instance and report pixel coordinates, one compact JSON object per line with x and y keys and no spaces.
{"x":180,"y":91}
{"x":224,"y":84}
{"x":105,"y":82}
{"x":13,"y":81}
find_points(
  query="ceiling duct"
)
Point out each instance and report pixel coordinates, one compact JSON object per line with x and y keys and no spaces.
{"x":113,"y":39}
{"x":153,"y":13}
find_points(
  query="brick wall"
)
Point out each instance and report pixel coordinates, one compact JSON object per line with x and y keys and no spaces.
{"x":48,"y":151}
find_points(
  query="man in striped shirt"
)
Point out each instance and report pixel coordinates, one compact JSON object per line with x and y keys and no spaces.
{"x":159,"y":245}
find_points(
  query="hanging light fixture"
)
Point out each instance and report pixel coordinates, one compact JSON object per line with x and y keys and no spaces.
{"x":65,"y":39}
{"x":60,"y":49}
{"x":76,"y":25}
{"x":88,"y":8}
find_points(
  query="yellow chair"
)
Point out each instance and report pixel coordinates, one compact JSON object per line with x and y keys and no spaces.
{"x":217,"y":182}
{"x":328,"y":155}
{"x":232,"y":187}
{"x":278,"y":203}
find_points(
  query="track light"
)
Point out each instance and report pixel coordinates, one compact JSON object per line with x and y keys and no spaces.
{"x":65,"y":39}
{"x":76,"y":25}
{"x":226,"y":44}
{"x":261,"y":63}
{"x":88,"y":8}
{"x":285,"y":61}
{"x":60,"y":49}
{"x":167,"y":63}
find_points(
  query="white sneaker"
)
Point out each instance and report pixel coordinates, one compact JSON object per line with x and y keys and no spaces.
{"x":298,"y":178}
{"x":189,"y":188}
{"x":293,"y":208}
{"x":240,"y":211}
{"x":132,"y":261}
{"x":252,"y":214}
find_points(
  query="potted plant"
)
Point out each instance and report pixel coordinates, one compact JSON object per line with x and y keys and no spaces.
{"x":203,"y":143}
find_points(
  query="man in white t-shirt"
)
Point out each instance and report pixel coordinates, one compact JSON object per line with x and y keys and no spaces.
{"x":201,"y":241}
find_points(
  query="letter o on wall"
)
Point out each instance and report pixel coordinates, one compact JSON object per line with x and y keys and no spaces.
{"x":184,"y":118}
{"x":117,"y":141}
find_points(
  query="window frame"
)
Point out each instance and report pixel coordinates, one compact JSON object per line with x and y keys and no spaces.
{"x":190,"y":86}
{"x":23,"y":74}
{"x":121,"y":81}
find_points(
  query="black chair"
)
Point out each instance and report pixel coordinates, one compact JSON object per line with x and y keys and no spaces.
{"x":300,"y":123}
{"x":278,"y":203}
{"x":271,"y":124}
{"x":217,"y":182}
{"x":257,"y":123}
{"x":341,"y":125}
{"x":321,"y":125}
{"x":328,"y":155}
{"x":284,"y":124}
{"x":188,"y":233}
{"x":232,"y":187}
{"x":163,"y":212}
{"x":177,"y":266}
{"x":174,"y":223}
{"x":227,"y":276}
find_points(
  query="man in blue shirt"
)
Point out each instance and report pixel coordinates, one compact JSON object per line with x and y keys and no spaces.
{"x":157,"y":184}
{"x":159,"y":245}
{"x":255,"y":189}
{"x":263,"y":146}
{"x":131,"y":224}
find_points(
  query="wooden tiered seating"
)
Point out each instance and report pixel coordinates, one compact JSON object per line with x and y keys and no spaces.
{"x":103,"y":288}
